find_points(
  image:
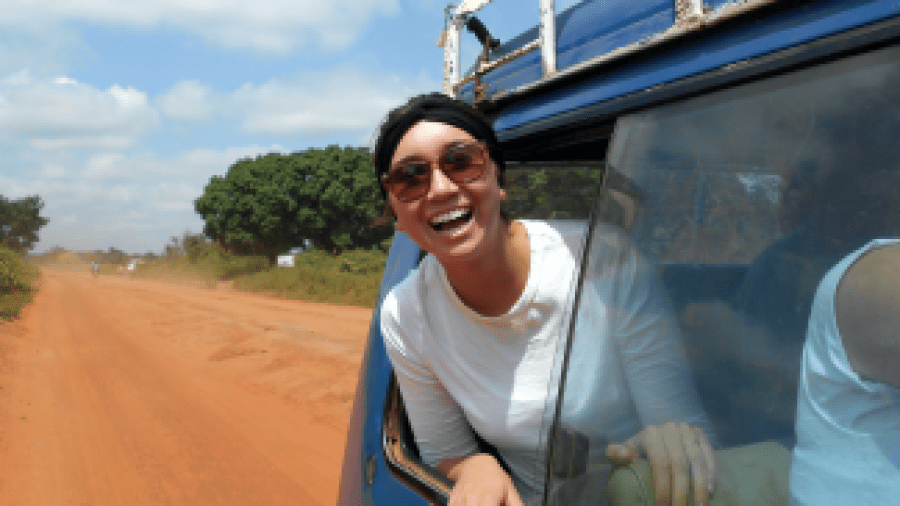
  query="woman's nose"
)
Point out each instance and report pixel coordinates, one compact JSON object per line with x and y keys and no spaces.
{"x":440,"y":183}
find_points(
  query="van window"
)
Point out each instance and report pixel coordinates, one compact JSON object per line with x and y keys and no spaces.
{"x":706,"y":255}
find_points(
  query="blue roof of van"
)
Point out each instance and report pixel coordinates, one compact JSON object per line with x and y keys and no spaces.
{"x":584,"y":31}
{"x":594,"y":28}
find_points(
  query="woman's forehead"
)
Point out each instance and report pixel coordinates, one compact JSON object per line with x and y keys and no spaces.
{"x":428,"y":138}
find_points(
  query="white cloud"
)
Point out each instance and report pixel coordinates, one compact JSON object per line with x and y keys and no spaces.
{"x":272,"y":26}
{"x":103,"y":165}
{"x":337,"y":100}
{"x":63,"y":113}
{"x":343,"y":100}
{"x":140,"y":179}
{"x":133,"y":201}
{"x":126,"y":98}
{"x":194,"y":165}
{"x":19,"y":78}
{"x":108,"y":140}
{"x":53,"y":170}
{"x":44,"y":47}
{"x":176,"y":206}
{"x":191,"y":101}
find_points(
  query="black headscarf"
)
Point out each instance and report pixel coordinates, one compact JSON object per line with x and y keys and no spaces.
{"x":439,"y":108}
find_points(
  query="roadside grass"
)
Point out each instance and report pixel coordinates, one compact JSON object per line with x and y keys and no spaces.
{"x":18,"y":283}
{"x":351,"y":278}
{"x":178,"y":270}
{"x":207,"y":271}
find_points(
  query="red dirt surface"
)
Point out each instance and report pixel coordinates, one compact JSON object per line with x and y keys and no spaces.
{"x":119,"y":391}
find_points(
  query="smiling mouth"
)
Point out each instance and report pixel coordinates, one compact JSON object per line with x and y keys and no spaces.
{"x":452,"y":220}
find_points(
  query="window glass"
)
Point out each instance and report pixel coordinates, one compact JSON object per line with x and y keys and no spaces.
{"x":551,"y":190}
{"x":719,"y":219}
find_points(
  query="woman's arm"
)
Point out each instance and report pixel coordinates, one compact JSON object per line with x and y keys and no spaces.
{"x":479,"y":481}
{"x":439,"y":425}
{"x":868,"y":315}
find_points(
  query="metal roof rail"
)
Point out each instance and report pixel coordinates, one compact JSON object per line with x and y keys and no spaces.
{"x":693,"y":16}
{"x":456,"y":17}
{"x":689,"y":11}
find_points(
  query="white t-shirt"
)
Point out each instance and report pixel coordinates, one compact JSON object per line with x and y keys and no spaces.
{"x":848,"y":428}
{"x":459,"y":370}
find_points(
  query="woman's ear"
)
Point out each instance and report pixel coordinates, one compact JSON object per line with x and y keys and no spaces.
{"x":387,"y":217}
{"x":501,"y":182}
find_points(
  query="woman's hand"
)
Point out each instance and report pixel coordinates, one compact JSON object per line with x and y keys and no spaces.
{"x":678,"y":454}
{"x":480,"y":481}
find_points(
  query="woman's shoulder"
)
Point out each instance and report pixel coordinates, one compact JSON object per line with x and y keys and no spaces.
{"x":408,"y":294}
{"x":401,"y":311}
{"x":553,"y":233}
{"x":867,"y":307}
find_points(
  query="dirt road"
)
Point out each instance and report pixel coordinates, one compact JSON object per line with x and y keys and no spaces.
{"x":117,"y":391}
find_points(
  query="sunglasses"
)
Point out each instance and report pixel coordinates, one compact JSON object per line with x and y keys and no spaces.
{"x":461,"y":163}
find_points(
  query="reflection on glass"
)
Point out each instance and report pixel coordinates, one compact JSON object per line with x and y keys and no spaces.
{"x":746,"y":198}
{"x":848,"y":402}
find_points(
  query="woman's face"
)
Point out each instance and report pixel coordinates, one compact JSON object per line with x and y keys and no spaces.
{"x":453,"y":221}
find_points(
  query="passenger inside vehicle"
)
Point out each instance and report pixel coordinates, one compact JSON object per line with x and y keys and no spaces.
{"x":829,"y":213}
{"x":848,"y":406}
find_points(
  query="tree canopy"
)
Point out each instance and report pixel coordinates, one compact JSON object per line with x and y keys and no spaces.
{"x":20,"y":221}
{"x":267,"y":205}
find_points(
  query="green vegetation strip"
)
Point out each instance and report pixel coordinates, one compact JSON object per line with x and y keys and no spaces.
{"x":349,"y":278}
{"x":18,"y":283}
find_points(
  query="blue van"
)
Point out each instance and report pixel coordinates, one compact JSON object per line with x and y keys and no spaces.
{"x":744,"y":147}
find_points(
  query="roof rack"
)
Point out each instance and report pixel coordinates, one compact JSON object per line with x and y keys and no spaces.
{"x":456,"y":17}
{"x":692,"y":15}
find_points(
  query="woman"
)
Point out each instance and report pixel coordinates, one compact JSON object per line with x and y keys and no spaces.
{"x":472,"y":332}
{"x":848,"y":406}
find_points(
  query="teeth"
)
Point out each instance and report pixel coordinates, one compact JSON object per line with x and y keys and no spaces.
{"x":452,"y":215}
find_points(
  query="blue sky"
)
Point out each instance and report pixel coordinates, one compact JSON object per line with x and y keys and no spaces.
{"x":118,"y":113}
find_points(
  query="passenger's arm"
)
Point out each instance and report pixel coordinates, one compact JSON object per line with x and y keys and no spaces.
{"x":679,"y":455}
{"x":677,"y":436}
{"x":479,"y":481}
{"x":648,"y":339}
{"x":868,"y":315}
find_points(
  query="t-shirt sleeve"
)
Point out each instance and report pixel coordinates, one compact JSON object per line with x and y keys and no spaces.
{"x":439,"y":424}
{"x":649,"y":343}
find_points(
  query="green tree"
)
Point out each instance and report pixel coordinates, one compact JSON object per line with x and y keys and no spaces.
{"x":115,"y":256}
{"x":20,"y":221}
{"x":267,"y":205}
{"x":198,"y":247}
{"x":552,"y":189}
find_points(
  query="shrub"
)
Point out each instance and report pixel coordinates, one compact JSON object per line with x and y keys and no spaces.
{"x":353,"y":277}
{"x":362,"y":261}
{"x":227,"y":266}
{"x":17,"y":283}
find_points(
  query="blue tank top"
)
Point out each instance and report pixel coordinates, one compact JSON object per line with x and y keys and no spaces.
{"x":848,"y":428}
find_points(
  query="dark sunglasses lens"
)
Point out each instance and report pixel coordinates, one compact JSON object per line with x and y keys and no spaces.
{"x":464,"y":162}
{"x":410,"y":181}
